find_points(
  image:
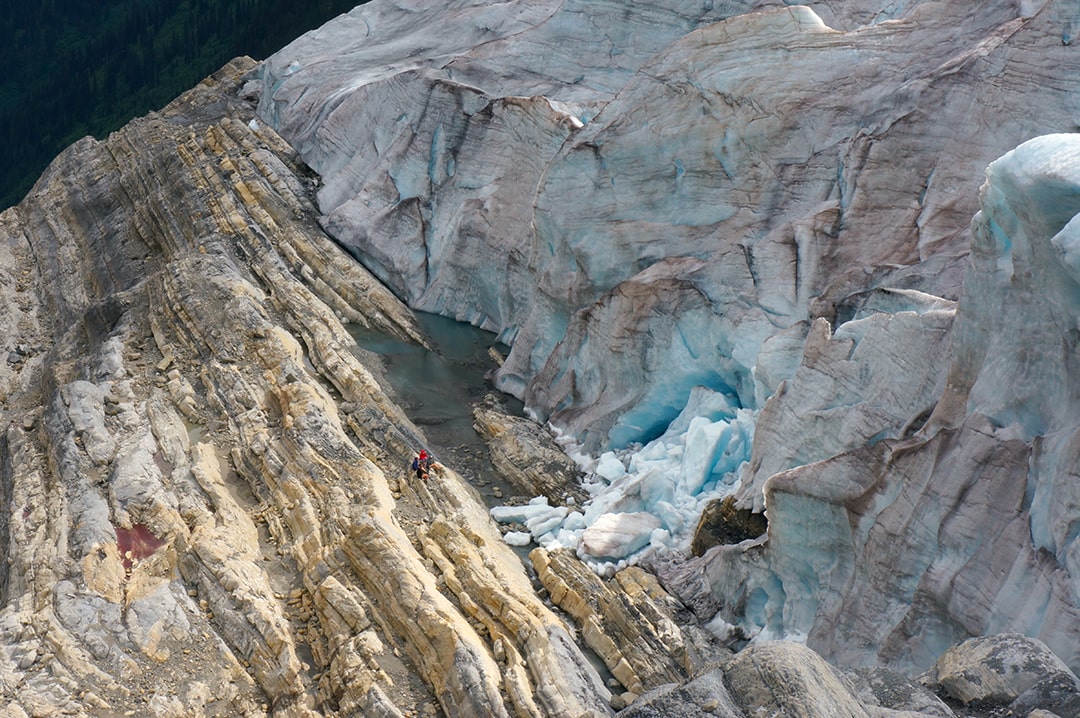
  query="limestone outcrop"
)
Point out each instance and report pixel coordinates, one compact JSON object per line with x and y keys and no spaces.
{"x":206,"y":510}
{"x":526,"y":455}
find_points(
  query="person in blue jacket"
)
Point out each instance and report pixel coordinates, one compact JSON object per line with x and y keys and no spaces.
{"x":422,"y":464}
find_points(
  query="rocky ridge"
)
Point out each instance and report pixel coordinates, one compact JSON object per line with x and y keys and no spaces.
{"x":207,"y":511}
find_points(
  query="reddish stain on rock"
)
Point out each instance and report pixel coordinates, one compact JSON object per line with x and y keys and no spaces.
{"x":136,"y":544}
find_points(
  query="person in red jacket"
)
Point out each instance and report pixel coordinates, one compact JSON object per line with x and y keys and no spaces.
{"x":422,"y":464}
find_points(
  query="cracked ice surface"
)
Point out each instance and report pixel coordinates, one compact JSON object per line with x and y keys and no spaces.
{"x":888,"y":549}
{"x":877,"y":521}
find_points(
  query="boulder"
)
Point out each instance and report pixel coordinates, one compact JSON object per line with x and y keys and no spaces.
{"x":703,"y":697}
{"x":997,"y":670}
{"x":1055,"y":694}
{"x":892,"y":691}
{"x":786,"y":678}
{"x":526,"y":455}
{"x":722,"y":523}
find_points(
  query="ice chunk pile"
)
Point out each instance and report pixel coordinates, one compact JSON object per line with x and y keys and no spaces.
{"x":645,"y":498}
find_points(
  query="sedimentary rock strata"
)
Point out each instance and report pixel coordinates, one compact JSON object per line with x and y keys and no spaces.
{"x":206,"y":508}
{"x":527,"y":456}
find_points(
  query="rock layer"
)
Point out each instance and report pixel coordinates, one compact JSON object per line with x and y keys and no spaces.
{"x":527,"y":456}
{"x":206,"y":508}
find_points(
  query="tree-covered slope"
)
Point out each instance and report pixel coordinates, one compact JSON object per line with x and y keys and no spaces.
{"x":73,"y":68}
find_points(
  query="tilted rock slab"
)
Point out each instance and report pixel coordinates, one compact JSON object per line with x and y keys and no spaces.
{"x":527,"y":456}
{"x":995,"y":670}
{"x":791,"y":680}
{"x":706,"y":695}
{"x":630,"y":622}
{"x":198,"y":476}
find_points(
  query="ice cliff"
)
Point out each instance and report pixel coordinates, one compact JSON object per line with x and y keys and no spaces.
{"x":889,"y":549}
{"x":728,"y":245}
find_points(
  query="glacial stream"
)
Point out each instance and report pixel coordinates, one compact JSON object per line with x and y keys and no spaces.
{"x":437,"y":390}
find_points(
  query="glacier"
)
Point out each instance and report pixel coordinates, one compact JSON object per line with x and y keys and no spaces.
{"x":965,"y":523}
{"x":732,"y":248}
{"x":512,"y":175}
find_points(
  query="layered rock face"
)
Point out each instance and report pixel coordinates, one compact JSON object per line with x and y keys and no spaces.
{"x":206,"y":508}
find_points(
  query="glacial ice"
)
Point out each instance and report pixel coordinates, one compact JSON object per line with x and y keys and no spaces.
{"x":519,"y":172}
{"x":808,"y":244}
{"x":880,"y":551}
{"x":836,"y":494}
{"x":647,"y":498}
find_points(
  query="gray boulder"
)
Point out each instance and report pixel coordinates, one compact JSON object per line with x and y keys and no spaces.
{"x":703,"y":697}
{"x":789,"y":679}
{"x":888,"y":690}
{"x":998,"y":670}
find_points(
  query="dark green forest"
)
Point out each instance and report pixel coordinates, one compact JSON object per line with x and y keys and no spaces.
{"x":74,"y":68}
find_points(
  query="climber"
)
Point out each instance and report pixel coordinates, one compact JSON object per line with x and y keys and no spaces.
{"x":422,"y":464}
